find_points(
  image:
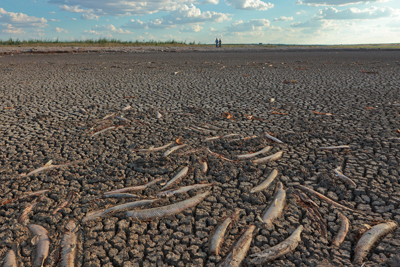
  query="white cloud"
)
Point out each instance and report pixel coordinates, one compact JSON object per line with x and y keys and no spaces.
{"x":8,"y":28}
{"x":283,"y":18}
{"x":248,"y":26}
{"x":60,"y":30}
{"x":314,"y":22}
{"x":73,"y":18}
{"x":191,"y":28}
{"x":21,"y":20}
{"x":249,"y":4}
{"x":54,"y":20}
{"x":110,"y":28}
{"x":335,"y":2}
{"x":90,"y":16}
{"x":355,"y":13}
{"x":213,"y":2}
{"x":52,"y":12}
{"x":300,"y":12}
{"x":213,"y":30}
{"x":91,"y":32}
{"x":184,"y":15}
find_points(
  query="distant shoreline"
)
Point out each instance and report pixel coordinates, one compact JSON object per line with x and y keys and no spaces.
{"x":60,"y":49}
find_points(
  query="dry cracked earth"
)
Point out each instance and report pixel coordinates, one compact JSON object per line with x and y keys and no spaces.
{"x":41,"y":97}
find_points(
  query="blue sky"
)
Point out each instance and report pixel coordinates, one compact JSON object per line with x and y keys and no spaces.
{"x":234,"y":21}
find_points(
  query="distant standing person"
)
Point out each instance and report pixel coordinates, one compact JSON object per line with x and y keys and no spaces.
{"x":216,"y":42}
{"x":219,"y":42}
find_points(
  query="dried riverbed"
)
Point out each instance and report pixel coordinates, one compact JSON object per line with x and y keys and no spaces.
{"x":41,"y":97}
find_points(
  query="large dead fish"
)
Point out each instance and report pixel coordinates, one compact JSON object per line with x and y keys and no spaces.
{"x":344,"y":228}
{"x":29,"y":208}
{"x":179,"y":176}
{"x":276,"y":206}
{"x":266,"y":183}
{"x":279,"y":250}
{"x":239,"y":249}
{"x":182,"y":189}
{"x":218,"y":234}
{"x":251,"y":155}
{"x":133,"y":188}
{"x":160,"y":212}
{"x":10,"y":259}
{"x":69,"y":245}
{"x":32,"y":194}
{"x":49,"y":167}
{"x":368,"y":239}
{"x":42,"y":242}
{"x":273,"y":157}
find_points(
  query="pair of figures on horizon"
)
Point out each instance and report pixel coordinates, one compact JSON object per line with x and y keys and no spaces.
{"x":217,"y":42}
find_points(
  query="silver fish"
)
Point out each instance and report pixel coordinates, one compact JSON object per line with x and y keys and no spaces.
{"x":279,"y":250}
{"x":172,"y":149}
{"x":10,"y":259}
{"x":333,"y":147}
{"x":217,"y":237}
{"x":266,"y":183}
{"x":273,"y":157}
{"x":344,"y":178}
{"x":273,"y":138}
{"x":276,"y":206}
{"x":133,"y":188}
{"x":344,"y":228}
{"x":169,"y":210}
{"x":69,"y":245}
{"x":42,"y":241}
{"x":183,"y":189}
{"x":182,"y":173}
{"x":251,"y":155}
{"x":154,"y":149}
{"x":239,"y":250}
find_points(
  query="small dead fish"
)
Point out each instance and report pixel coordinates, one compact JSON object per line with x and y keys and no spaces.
{"x":219,"y":156}
{"x":169,"y":210}
{"x":183,"y":189}
{"x":266,"y":183}
{"x":104,"y":130}
{"x":279,"y":250}
{"x":69,"y":245}
{"x":122,"y":119}
{"x":65,"y":203}
{"x":333,"y":147}
{"x":199,"y":129}
{"x":230,"y":135}
{"x":103,"y":212}
{"x":344,"y":228}
{"x":82,"y":110}
{"x":182,"y":173}
{"x":154,"y":149}
{"x":273,"y":157}
{"x":243,"y":138}
{"x":128,"y":107}
{"x":194,"y":150}
{"x":203,"y":166}
{"x":276,"y":206}
{"x":251,"y":155}
{"x":276,"y":140}
{"x":158,"y":115}
{"x":211,"y":138}
{"x":133,"y":188}
{"x":10,"y":260}
{"x":344,"y":178}
{"x":320,"y":196}
{"x":172,"y":149}
{"x":218,"y":234}
{"x":108,"y":116}
{"x":369,"y":238}
{"x":119,"y":195}
{"x":29,"y":208}
{"x":51,"y":166}
{"x":239,"y":249}
{"x":42,"y":242}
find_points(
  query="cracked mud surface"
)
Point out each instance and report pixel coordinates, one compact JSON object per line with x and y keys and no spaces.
{"x":40,"y":120}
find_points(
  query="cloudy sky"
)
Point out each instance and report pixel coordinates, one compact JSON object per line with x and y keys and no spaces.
{"x":234,"y":21}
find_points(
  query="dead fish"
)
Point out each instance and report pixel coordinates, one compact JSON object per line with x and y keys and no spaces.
{"x":154,"y":149}
{"x":172,"y":149}
{"x":158,"y":115}
{"x":344,"y":228}
{"x":218,"y":234}
{"x":279,"y":250}
{"x":51,"y":166}
{"x":29,"y":208}
{"x":122,"y":119}
{"x":273,"y":157}
{"x":42,"y":242}
{"x":182,"y":173}
{"x":239,"y":249}
{"x":133,"y":188}
{"x":183,"y":189}
{"x":203,"y":166}
{"x":230,"y":135}
{"x":199,"y":129}
{"x":251,"y":155}
{"x":128,"y":107}
{"x":276,"y":206}
{"x":211,"y":138}
{"x":266,"y":183}
{"x":320,"y":196}
{"x":169,"y":210}
{"x":10,"y":260}
{"x":108,"y":116}
{"x":119,"y":195}
{"x":219,"y":156}
{"x":368,"y":239}
{"x":65,"y":203}
{"x":104,"y":130}
{"x":32,"y":194}
{"x":276,"y":140}
{"x":333,"y":147}
{"x":103,"y":212}
{"x":194,"y":150}
{"x":344,"y":178}
{"x":69,"y":245}
{"x":243,"y":138}
{"x":82,"y":110}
